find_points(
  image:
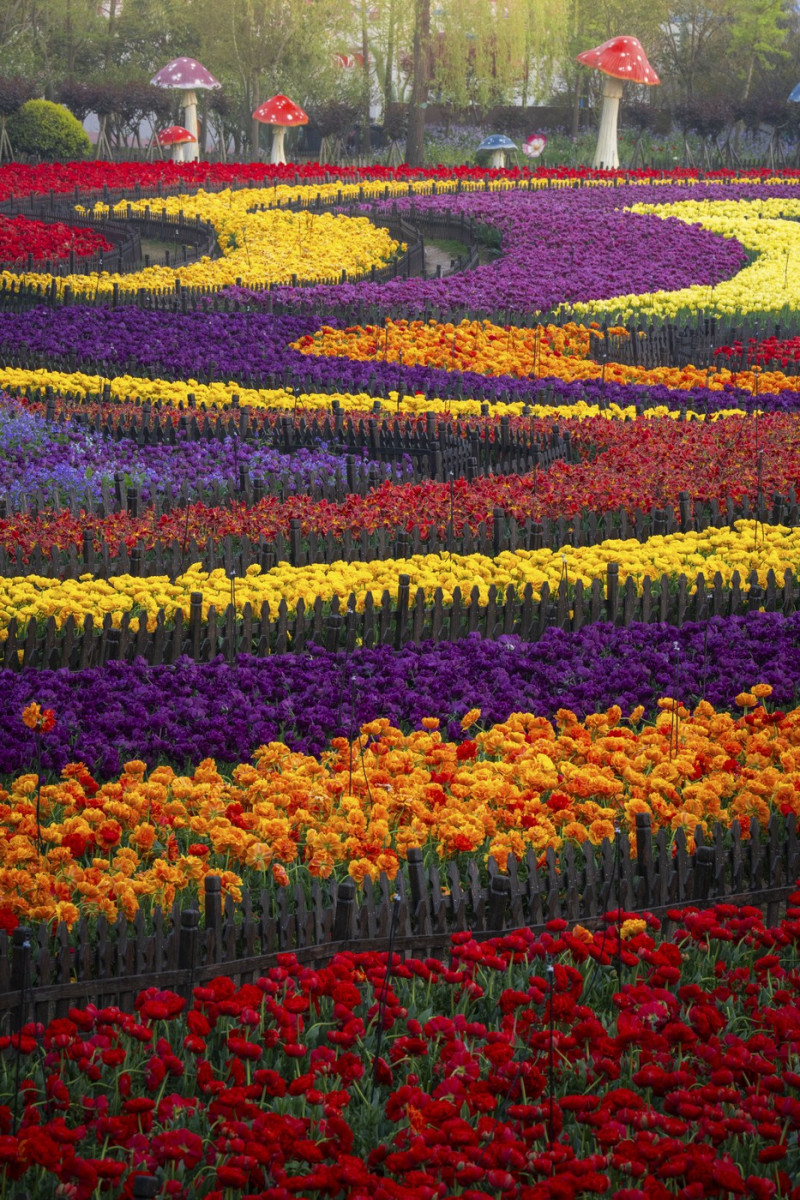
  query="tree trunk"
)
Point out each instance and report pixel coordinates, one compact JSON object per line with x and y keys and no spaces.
{"x":738,"y":128}
{"x":415,"y":142}
{"x":112,"y":21}
{"x":365,"y":88}
{"x":388,"y":87}
{"x":255,"y":124}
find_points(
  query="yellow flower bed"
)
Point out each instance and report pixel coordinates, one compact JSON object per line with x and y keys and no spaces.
{"x":769,"y":228}
{"x":219,"y":395}
{"x":747,"y":548}
{"x":258,"y":247}
{"x":525,"y":784}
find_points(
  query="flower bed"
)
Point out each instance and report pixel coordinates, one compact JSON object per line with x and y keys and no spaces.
{"x":237,"y":351}
{"x":178,"y":714}
{"x":526,"y":783}
{"x":752,"y":548}
{"x":549,"y":352}
{"x":628,"y":465}
{"x":36,"y":458}
{"x":543,"y":1071}
{"x":20,"y":238}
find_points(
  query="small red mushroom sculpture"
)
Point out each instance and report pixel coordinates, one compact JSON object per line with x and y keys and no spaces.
{"x":187,"y":75}
{"x":282,"y":113}
{"x":619,"y":58}
{"x":177,"y":137}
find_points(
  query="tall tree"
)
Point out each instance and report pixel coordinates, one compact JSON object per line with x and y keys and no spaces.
{"x":415,"y":141}
{"x":267,"y":46}
{"x":714,"y":47}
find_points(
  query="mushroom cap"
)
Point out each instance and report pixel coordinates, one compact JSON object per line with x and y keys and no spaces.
{"x":622,"y":57}
{"x":497,"y":141}
{"x":185,"y":73}
{"x":794,"y":94}
{"x":174,"y":135}
{"x":280,"y":110}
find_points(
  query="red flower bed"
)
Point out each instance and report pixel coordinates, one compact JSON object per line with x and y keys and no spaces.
{"x":17,"y":179}
{"x":641,"y":464}
{"x":572,"y":1064}
{"x":20,"y":237}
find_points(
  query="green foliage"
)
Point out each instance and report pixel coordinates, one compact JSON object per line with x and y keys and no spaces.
{"x":49,"y":131}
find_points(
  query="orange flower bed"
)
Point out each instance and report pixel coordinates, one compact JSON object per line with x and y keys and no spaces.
{"x":524,"y":784}
{"x":546,"y":351}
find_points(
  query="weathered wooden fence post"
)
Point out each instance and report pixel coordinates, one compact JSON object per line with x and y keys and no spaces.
{"x":344,"y":916}
{"x":20,"y":973}
{"x":213,"y":915}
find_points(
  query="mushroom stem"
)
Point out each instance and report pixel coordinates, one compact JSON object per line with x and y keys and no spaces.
{"x":606,"y":153}
{"x":497,"y":158}
{"x":190,"y":122}
{"x":278,"y":134}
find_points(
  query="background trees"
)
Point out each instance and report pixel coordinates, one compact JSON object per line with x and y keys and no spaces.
{"x":366,"y":57}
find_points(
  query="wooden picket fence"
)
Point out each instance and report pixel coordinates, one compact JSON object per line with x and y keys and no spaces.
{"x":424,"y":449}
{"x":43,"y":971}
{"x":665,"y":344}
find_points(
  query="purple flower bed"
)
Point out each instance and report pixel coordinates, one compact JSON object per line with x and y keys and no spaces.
{"x":36,"y":456}
{"x":253,"y":348}
{"x":558,"y":247}
{"x":183,"y":713}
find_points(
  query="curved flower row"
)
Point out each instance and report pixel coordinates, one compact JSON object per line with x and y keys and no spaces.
{"x":649,"y":252}
{"x":546,"y":351}
{"x":37,"y":459}
{"x":558,"y":248}
{"x":767,"y":228}
{"x":178,"y":715}
{"x":261,"y":247}
{"x":608,"y":399}
{"x":357,"y":809}
{"x":216,"y":355}
{"x":750,"y":548}
{"x":339,"y":1078}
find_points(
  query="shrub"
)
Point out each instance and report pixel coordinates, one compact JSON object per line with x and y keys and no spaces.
{"x":46,"y":130}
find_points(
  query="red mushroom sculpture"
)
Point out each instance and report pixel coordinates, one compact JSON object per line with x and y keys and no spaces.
{"x":282,"y":113}
{"x":619,"y":58}
{"x":177,"y":137}
{"x":187,"y":75}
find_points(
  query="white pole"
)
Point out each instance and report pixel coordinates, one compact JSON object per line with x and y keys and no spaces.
{"x":190,"y":123}
{"x":606,"y":154}
{"x":278,"y":134}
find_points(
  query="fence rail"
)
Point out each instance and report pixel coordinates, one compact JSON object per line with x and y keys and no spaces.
{"x":43,"y":972}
